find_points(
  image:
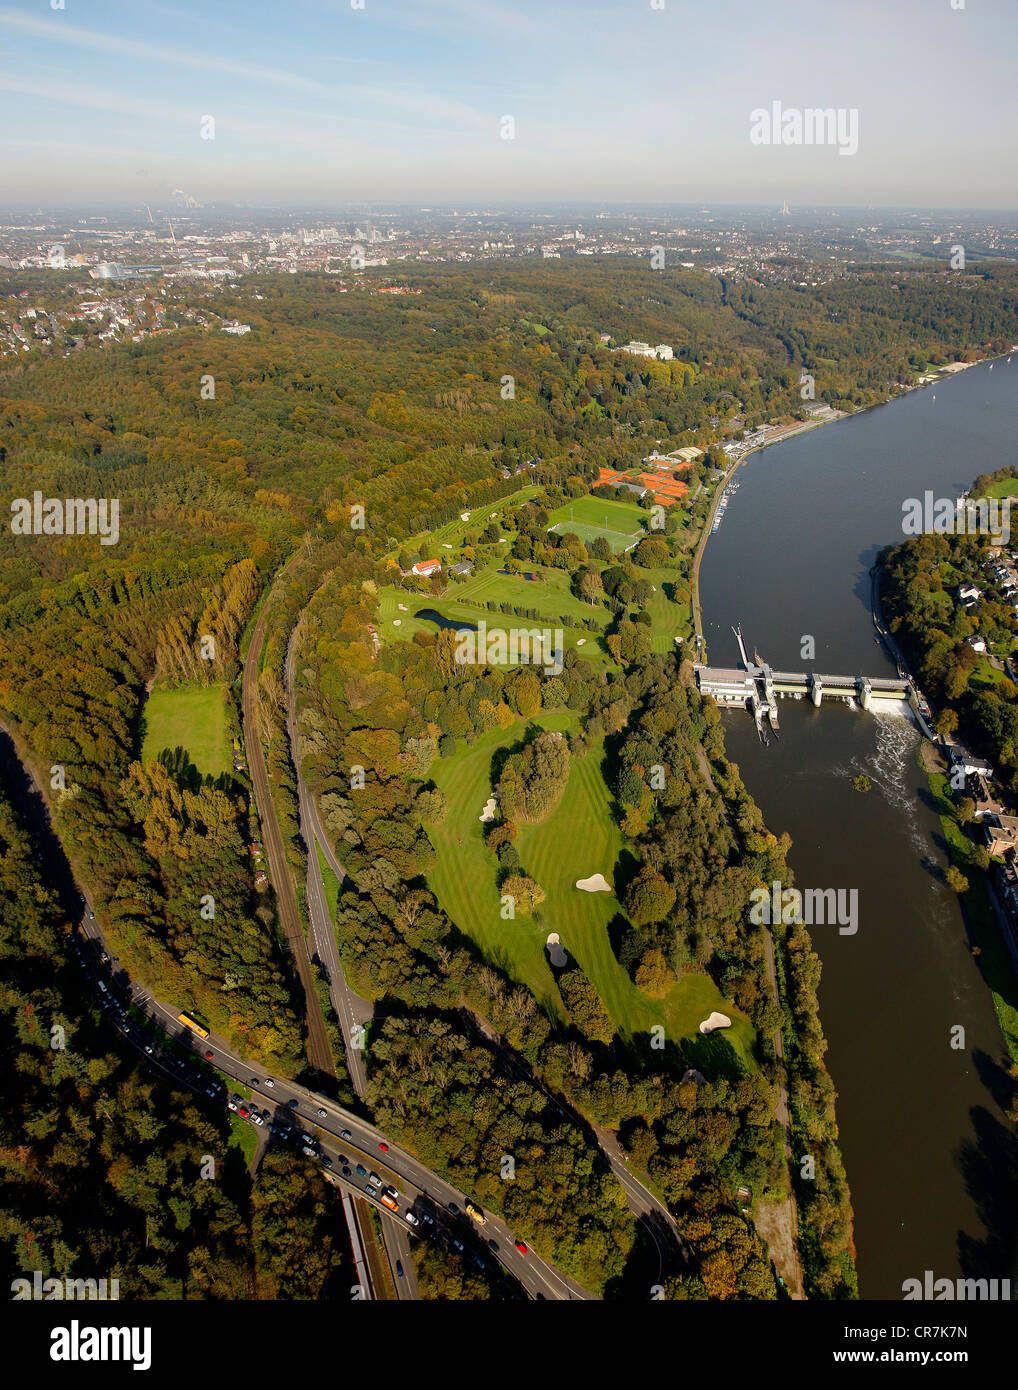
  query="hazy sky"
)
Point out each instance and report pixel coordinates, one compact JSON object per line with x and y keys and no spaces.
{"x":612,"y":100}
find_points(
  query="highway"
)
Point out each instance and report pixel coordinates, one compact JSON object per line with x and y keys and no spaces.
{"x":337,"y":1133}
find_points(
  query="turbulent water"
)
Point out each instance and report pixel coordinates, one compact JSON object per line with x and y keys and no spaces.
{"x":923,"y":1138}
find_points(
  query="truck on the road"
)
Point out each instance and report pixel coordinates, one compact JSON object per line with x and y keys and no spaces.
{"x":475,"y":1213}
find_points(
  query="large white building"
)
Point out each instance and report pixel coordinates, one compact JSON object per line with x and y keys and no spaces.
{"x":662,"y":352}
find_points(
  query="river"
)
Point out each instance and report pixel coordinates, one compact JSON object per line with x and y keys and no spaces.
{"x":929,"y":1160}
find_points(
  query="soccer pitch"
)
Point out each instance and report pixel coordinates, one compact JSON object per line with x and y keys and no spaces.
{"x":588,"y":517}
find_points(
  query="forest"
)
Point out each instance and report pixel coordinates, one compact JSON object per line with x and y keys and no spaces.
{"x":107,"y":1170}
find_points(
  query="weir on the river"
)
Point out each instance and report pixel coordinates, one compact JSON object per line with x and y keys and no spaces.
{"x":756,"y":687}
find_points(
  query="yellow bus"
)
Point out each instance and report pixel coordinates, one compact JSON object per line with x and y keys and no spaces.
{"x":195,"y":1027}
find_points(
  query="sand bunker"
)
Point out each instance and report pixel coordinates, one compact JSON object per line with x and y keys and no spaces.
{"x":555,"y":951}
{"x":397,"y":622}
{"x":580,"y":641}
{"x":597,"y":883}
{"x":716,"y":1020}
{"x":402,"y":608}
{"x":489,"y":810}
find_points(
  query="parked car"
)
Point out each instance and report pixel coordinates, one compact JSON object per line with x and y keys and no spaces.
{"x":362,"y":1170}
{"x":371,"y":1189}
{"x":410,"y":1219}
{"x":345,"y":1134}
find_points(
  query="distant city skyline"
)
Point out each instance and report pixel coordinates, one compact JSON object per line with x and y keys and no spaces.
{"x":409,"y":100}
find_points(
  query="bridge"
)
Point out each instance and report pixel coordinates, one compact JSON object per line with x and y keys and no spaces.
{"x":756,"y":686}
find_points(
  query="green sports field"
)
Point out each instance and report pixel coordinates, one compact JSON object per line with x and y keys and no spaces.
{"x":580,"y":838}
{"x":191,"y":717}
{"x":621,"y":524}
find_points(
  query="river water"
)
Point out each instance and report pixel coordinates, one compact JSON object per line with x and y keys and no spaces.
{"x":929,"y":1160}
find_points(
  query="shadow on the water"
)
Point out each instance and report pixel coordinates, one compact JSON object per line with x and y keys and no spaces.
{"x":989,"y":1169}
{"x":1001,"y":1085}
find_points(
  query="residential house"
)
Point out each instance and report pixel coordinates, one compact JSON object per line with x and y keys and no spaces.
{"x":979,"y":790}
{"x":1000,"y":833}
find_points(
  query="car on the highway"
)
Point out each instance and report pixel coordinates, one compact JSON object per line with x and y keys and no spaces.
{"x":345,"y":1134}
{"x":292,"y":1103}
{"x":493,"y":1244}
{"x":383,"y":1145}
{"x":254,"y":1081}
{"x":323,"y":1113}
{"x":453,"y":1207}
{"x":399,"y":1269}
{"x":209,"y":1056}
{"x":326,"y":1161}
{"x":521,"y":1246}
{"x":410,"y":1219}
{"x":269,"y":1082}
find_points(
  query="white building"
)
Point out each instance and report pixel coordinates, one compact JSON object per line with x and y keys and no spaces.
{"x":662,"y":352}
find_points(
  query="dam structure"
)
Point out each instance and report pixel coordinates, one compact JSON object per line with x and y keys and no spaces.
{"x":756,"y":686}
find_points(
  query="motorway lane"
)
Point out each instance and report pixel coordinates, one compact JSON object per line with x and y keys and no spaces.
{"x":397,"y":1243}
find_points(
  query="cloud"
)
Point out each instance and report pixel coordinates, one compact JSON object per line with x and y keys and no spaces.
{"x":132,"y":48}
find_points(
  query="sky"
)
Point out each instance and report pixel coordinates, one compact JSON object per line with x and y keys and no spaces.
{"x":408,"y":100}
